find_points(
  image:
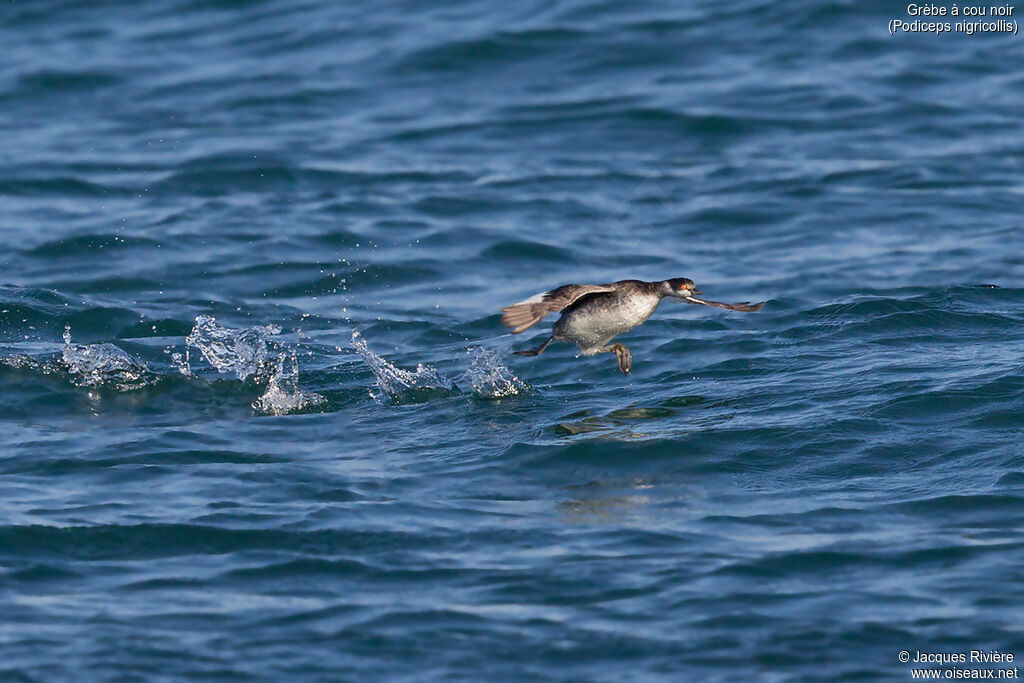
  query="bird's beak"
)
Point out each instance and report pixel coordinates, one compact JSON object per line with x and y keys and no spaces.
{"x":696,"y":291}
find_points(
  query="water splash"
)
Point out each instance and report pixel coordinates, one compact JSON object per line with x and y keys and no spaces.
{"x":95,"y":365}
{"x":283,"y":395}
{"x":21,"y":361}
{"x":250,"y":353}
{"x":245,"y":352}
{"x":395,"y":383}
{"x":489,"y":377}
{"x":182,"y":364}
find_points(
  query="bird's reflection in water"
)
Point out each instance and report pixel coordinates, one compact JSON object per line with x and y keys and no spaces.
{"x":604,"y":498}
{"x":621,"y":424}
{"x":593,"y":504}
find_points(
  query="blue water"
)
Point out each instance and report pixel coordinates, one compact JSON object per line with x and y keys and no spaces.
{"x":204,"y":472}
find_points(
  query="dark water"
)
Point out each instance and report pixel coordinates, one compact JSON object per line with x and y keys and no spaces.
{"x":212,"y":479}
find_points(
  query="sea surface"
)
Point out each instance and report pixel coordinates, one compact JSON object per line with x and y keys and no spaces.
{"x":259,"y":418}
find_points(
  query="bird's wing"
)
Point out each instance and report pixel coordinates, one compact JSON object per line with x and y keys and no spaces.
{"x":746,"y":306}
{"x":525,"y":314}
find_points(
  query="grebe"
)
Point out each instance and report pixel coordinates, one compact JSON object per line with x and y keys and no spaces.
{"x":592,"y":315}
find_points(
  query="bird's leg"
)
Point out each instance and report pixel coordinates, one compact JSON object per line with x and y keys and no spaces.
{"x":623,"y":354}
{"x":625,"y":358}
{"x":537,"y":351}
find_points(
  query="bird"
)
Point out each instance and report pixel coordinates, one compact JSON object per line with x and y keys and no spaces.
{"x":593,"y":315}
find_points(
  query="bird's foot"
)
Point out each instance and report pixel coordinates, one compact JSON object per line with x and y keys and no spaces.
{"x":625,"y":358}
{"x":537,"y":351}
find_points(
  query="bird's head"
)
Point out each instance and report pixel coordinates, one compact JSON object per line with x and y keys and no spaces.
{"x":679,"y":287}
